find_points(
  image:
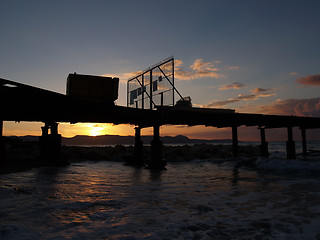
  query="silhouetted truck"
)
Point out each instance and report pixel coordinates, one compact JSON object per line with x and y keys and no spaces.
{"x":94,"y":88}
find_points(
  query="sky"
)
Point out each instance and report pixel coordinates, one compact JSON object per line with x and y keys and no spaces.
{"x":251,"y":56}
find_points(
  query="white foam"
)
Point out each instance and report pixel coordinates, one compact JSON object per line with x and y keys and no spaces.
{"x":278,"y":162}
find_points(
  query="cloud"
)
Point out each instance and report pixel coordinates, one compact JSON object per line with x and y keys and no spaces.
{"x":234,"y":85}
{"x":257,"y":93}
{"x":201,"y":69}
{"x":231,"y":68}
{"x":178,"y":63}
{"x":259,"y":90}
{"x":200,"y":65}
{"x":221,"y":103}
{"x":293,"y":74}
{"x":298,"y":107}
{"x":198,"y":69}
{"x":313,"y":80}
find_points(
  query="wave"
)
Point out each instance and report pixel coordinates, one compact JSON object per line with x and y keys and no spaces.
{"x":277,"y":162}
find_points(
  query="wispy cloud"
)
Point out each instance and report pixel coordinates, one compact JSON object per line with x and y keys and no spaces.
{"x":200,"y":65}
{"x":256,"y":94}
{"x":293,"y":74}
{"x":299,"y":107}
{"x":234,"y":85}
{"x":313,"y":80}
{"x":201,"y":69}
{"x":198,"y":69}
{"x":261,"y":91}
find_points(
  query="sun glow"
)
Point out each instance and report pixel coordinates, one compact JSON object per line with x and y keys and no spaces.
{"x":96,"y":130}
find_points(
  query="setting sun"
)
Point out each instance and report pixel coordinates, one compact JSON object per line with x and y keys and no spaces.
{"x":96,"y":130}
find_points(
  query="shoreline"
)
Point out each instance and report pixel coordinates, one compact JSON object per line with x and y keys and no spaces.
{"x":25,"y":155}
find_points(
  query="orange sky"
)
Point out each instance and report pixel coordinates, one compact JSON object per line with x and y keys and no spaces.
{"x":196,"y":132}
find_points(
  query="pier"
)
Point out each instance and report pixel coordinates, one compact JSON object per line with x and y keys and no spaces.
{"x":20,"y":102}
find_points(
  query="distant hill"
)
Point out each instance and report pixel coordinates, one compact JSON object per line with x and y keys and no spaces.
{"x":129,"y":140}
{"x":124,"y":140}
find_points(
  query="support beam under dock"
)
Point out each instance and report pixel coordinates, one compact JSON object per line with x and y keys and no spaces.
{"x":235,"y":142}
{"x":304,"y":141}
{"x":157,"y":162}
{"x":138,"y":148}
{"x":264,"y":151}
{"x":291,"y":146}
{"x":50,"y":146}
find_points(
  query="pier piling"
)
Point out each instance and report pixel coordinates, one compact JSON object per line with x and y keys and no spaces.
{"x":291,"y":147}
{"x":138,"y":147}
{"x":235,"y":142}
{"x":157,"y":162}
{"x":304,"y":141}
{"x":50,"y":145}
{"x":264,"y":151}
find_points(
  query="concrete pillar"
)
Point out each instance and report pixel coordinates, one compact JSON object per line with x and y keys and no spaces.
{"x":44,"y":141}
{"x":291,"y":147}
{"x":156,"y":133}
{"x":45,"y":130}
{"x":138,"y":147}
{"x":264,"y":151}
{"x":304,"y":141}
{"x":50,"y":145}
{"x":235,"y":142}
{"x":157,"y":162}
{"x":54,"y":128}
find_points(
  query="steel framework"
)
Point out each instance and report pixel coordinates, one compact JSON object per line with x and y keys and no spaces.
{"x":153,"y":87}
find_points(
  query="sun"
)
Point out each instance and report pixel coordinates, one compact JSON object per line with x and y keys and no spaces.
{"x":96,"y":130}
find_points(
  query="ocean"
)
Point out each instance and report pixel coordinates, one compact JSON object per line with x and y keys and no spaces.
{"x":234,"y":198}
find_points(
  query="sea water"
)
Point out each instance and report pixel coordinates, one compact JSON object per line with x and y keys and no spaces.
{"x":270,"y":198}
